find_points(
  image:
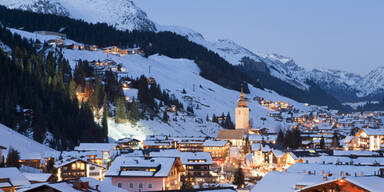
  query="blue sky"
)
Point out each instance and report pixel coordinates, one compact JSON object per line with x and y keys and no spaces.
{"x":336,"y":34}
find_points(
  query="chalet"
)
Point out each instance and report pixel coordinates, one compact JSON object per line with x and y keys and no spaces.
{"x":145,"y":174}
{"x":31,"y":160}
{"x":39,"y":177}
{"x":150,"y":80}
{"x":219,"y":149}
{"x":198,"y":166}
{"x":370,"y":139}
{"x":262,"y":138}
{"x":112,"y":50}
{"x":11,"y":178}
{"x":128,"y":143}
{"x":93,"y":47}
{"x":123,"y":52}
{"x":190,"y":144}
{"x":159,"y":144}
{"x":109,"y":150}
{"x":73,"y":168}
{"x":356,"y":184}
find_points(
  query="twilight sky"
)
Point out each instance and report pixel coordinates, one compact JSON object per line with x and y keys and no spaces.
{"x":336,"y":34}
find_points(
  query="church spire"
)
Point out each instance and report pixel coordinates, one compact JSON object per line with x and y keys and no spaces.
{"x":242,"y":102}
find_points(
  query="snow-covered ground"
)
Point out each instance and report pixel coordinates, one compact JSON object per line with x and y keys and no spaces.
{"x":12,"y":139}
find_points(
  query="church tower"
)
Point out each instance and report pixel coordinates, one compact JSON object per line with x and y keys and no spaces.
{"x":242,"y":113}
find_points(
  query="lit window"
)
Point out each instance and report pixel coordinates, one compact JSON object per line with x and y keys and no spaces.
{"x":82,"y":166}
{"x":73,"y":166}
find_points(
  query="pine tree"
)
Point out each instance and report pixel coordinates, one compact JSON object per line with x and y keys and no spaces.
{"x":120,"y":111}
{"x":280,"y":138}
{"x":2,"y":161}
{"x":165,"y":116}
{"x":50,"y":166}
{"x":335,"y":140}
{"x":104,"y":122}
{"x":134,"y":115}
{"x":322,"y":143}
{"x":296,"y":138}
{"x":239,"y":178}
{"x":13,"y":158}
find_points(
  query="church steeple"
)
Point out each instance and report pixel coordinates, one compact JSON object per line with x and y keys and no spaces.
{"x":242,"y":102}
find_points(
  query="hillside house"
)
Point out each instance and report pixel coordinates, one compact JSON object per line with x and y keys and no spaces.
{"x":109,"y":150}
{"x":370,"y":139}
{"x":74,"y":168}
{"x":197,"y":166}
{"x":145,"y":174}
{"x":128,"y":143}
{"x":11,"y":178}
{"x":31,"y":160}
{"x":219,"y":150}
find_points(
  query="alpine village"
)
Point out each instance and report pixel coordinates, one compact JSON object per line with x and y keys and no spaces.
{"x":133,"y":106}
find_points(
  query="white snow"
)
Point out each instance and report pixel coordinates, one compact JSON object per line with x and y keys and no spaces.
{"x":122,"y":14}
{"x":12,"y":139}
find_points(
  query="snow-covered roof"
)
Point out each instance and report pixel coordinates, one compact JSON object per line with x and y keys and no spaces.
{"x":372,"y":183}
{"x":215,"y":143}
{"x":38,"y":177}
{"x":14,"y":175}
{"x":69,"y":160}
{"x":139,"y":167}
{"x":96,"y":147}
{"x":356,"y":153}
{"x":103,"y":185}
{"x":62,"y":187}
{"x":331,"y":168}
{"x":30,"y":156}
{"x":262,"y":137}
{"x":374,"y":131}
{"x":196,"y":158}
{"x":278,"y":181}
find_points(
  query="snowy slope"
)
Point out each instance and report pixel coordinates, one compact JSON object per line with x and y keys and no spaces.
{"x":122,"y":14}
{"x":23,"y":144}
{"x":372,"y":83}
{"x":174,"y":75}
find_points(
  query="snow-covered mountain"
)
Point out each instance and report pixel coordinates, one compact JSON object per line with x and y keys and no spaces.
{"x":122,"y":14}
{"x":371,"y":84}
{"x":125,"y":15}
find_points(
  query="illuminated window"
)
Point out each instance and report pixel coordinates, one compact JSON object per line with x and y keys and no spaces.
{"x":73,"y":166}
{"x":82,"y":166}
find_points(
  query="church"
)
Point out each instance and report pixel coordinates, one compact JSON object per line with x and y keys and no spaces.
{"x":236,"y":136}
{"x":242,"y":113}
